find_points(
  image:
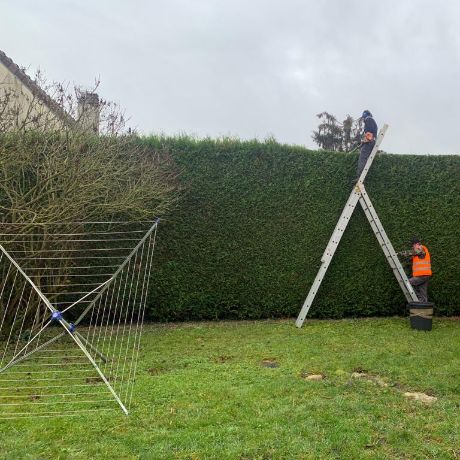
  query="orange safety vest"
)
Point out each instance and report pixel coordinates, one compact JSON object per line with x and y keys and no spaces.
{"x":422,"y":267}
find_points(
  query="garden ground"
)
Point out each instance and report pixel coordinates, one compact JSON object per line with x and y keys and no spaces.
{"x":242,"y":390}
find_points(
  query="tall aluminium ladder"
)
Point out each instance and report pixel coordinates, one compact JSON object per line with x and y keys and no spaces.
{"x":359,"y":194}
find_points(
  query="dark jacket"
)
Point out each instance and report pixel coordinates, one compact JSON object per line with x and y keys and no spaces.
{"x":370,"y":126}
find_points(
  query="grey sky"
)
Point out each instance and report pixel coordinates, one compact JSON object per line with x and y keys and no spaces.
{"x":254,"y":68}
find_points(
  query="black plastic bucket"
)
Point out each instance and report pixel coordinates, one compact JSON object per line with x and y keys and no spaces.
{"x":421,"y":315}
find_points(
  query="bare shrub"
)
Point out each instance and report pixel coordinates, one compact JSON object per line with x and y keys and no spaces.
{"x":53,"y":172}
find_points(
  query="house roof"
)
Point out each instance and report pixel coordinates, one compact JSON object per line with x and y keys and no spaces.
{"x":35,"y":89}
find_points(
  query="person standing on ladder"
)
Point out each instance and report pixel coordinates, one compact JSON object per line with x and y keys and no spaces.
{"x":368,"y":141}
{"x":421,"y":268}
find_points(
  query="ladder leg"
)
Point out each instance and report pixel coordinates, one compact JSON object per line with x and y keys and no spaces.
{"x":312,"y":293}
{"x":329,"y":253}
{"x":386,"y":246}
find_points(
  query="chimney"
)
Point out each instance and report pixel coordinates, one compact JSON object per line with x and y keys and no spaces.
{"x":88,"y":112}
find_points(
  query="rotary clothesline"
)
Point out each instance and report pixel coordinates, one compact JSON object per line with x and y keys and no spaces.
{"x":57,"y":337}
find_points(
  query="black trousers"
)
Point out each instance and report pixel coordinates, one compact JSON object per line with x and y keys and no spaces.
{"x":364,"y":154}
{"x":420,"y":285}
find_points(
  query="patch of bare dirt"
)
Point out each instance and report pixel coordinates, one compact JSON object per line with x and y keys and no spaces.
{"x":370,"y":378}
{"x":312,"y":377}
{"x":427,"y":397}
{"x":422,"y":397}
{"x":270,"y":362}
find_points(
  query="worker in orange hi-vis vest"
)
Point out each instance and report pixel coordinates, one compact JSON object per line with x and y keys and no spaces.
{"x":421,"y":268}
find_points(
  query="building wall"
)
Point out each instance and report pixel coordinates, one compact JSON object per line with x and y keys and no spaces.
{"x":20,"y":108}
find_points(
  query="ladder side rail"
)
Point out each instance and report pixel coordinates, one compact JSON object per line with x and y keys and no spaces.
{"x":412,"y":296}
{"x":312,"y":292}
{"x":366,"y":199}
{"x":379,"y":231}
{"x":341,"y":224}
{"x":385,"y":249}
{"x":328,"y":254}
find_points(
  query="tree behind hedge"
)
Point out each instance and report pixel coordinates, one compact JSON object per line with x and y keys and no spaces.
{"x":333,"y":136}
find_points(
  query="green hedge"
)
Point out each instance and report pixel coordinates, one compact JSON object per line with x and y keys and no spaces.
{"x":246,"y":239}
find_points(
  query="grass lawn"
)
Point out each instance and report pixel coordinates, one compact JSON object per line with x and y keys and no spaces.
{"x":237,"y":390}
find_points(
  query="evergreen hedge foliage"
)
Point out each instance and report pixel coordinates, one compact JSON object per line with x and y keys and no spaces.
{"x":247,"y":237}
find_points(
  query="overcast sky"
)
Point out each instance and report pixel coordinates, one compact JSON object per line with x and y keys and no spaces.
{"x":254,"y":68}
